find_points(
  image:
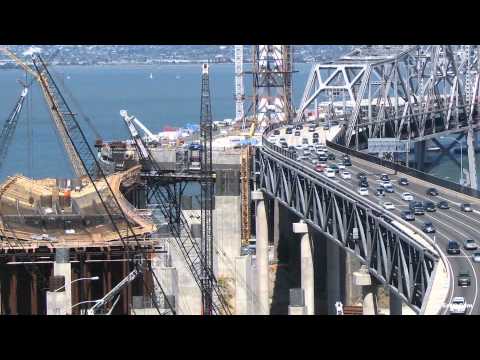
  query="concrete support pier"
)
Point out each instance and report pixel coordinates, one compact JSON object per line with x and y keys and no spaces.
{"x":60,"y":302}
{"x":168,"y":278}
{"x":419,"y":147}
{"x":306,"y":265}
{"x":261,"y":231}
{"x":395,"y":304}
{"x":363,"y":279}
{"x":472,"y":167}
{"x":334,"y":280}
{"x":297,"y":302}
{"x":243,"y":286}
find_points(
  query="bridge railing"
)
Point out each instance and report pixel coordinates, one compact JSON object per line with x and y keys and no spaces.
{"x":406,"y":170}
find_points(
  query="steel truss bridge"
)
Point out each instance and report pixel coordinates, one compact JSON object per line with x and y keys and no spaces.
{"x":419,"y":93}
{"x":393,"y":257}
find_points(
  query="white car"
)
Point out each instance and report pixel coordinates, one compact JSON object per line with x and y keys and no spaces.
{"x":346,"y":175}
{"x":341,"y":166}
{"x":458,"y":305}
{"x":407,"y":196}
{"x":388,"y":206}
{"x":363,"y":191}
{"x":476,"y":257}
{"x":330,"y":173}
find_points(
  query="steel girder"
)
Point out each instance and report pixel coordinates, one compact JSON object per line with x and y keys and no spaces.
{"x":392,"y":256}
{"x":402,"y":92}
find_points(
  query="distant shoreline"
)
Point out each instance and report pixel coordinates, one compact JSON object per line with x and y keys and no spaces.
{"x":193,"y":62}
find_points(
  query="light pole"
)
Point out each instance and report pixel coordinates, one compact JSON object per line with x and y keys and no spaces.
{"x":87,"y":278}
{"x":461,"y":156}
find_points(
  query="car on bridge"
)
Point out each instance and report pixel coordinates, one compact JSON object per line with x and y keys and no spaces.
{"x":403,"y":181}
{"x":388,"y":206}
{"x":276,"y":132}
{"x":380,"y":192}
{"x":322,"y":158}
{"x":335,"y":168}
{"x":443,"y":205}
{"x":466,"y":207}
{"x":408,"y":215}
{"x":363,"y":183}
{"x":289,"y":131}
{"x":320,"y":167}
{"x":470,"y":244}
{"x":429,"y":206}
{"x":432,"y":192}
{"x":330,"y":172}
{"x":388,"y":187}
{"x":428,"y":227}
{"x":314,"y":140}
{"x":361,"y":176}
{"x":346,"y":175}
{"x":331,"y":156}
{"x":416,"y":207}
{"x":297,"y":133}
{"x":384,"y":177}
{"x":341,"y":166}
{"x":299,"y":127}
{"x":407,"y":196}
{"x":463,"y":279}
{"x":458,"y":305}
{"x":312,"y":127}
{"x":363,"y":191}
{"x":347,"y":162}
{"x":304,"y":141}
{"x":476,"y":257}
{"x":453,"y":248}
{"x":315,"y":136}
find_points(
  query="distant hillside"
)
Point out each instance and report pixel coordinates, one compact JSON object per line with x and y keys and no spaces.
{"x":144,"y":54}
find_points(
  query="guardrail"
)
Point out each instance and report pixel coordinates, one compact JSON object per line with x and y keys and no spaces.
{"x":406,"y":170}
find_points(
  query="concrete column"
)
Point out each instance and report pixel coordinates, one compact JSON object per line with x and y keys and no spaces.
{"x":333,"y":277}
{"x":306,"y":266}
{"x":472,"y":164}
{"x":276,"y":228}
{"x":62,"y":267}
{"x":262,"y":253}
{"x":297,"y":302}
{"x":168,"y":278}
{"x":363,"y":279}
{"x":352,"y":293}
{"x":420,"y":155}
{"x":395,"y":304}
{"x":243,"y":286}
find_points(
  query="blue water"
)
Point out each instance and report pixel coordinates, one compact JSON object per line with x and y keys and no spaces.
{"x":171,"y":98}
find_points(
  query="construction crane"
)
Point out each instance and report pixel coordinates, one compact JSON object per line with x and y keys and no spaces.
{"x":102,"y":303}
{"x":206,"y":190}
{"x":91,"y":167}
{"x":168,"y":203}
{"x":56,"y":105}
{"x":10,"y":125}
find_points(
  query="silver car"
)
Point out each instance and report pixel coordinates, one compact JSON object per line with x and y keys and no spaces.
{"x":470,"y":245}
{"x":476,"y":257}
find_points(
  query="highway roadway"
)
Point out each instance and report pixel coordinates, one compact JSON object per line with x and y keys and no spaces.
{"x":451,"y":224}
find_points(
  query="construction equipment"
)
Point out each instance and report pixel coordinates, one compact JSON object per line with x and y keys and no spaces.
{"x":245,"y":158}
{"x":167,"y":200}
{"x":56,"y":105}
{"x":10,"y":125}
{"x":102,"y":303}
{"x":90,"y":166}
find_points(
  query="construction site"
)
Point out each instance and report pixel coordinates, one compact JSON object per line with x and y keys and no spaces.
{"x":124,"y":236}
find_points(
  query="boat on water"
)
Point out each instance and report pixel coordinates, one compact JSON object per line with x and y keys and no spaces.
{"x":151,"y":76}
